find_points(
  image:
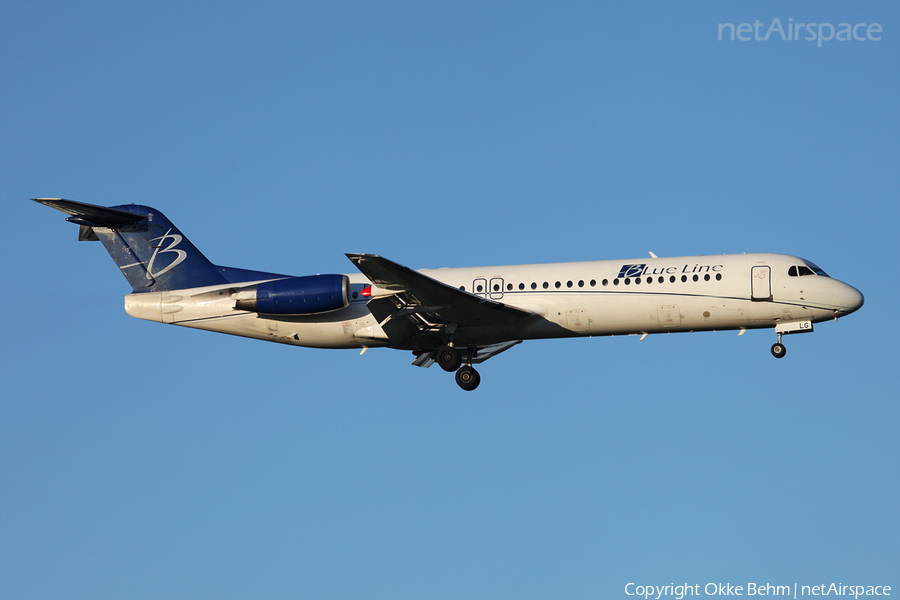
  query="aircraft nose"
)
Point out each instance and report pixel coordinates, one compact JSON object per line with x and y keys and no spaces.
{"x":851,"y":300}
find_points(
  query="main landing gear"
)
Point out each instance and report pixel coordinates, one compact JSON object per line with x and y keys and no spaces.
{"x":778,"y":349}
{"x":468,"y":378}
{"x":450,"y":360}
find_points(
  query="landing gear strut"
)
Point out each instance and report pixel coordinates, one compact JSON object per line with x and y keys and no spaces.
{"x":778,"y":349}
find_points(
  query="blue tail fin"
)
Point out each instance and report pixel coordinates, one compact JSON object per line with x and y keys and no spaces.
{"x":152,"y":253}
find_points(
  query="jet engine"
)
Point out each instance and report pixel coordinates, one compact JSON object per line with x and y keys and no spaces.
{"x":296,"y":295}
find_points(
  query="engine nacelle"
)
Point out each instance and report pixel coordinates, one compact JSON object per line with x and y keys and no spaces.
{"x":296,"y":295}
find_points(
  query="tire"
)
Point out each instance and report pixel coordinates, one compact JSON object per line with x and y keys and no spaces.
{"x":778,"y":350}
{"x":468,"y":378}
{"x":449,"y":358}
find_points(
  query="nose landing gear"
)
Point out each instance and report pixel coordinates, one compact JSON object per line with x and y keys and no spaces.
{"x":806,"y":326}
{"x":778,"y":349}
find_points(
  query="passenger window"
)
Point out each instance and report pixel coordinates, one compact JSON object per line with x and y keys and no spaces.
{"x":637,"y":281}
{"x":479,"y":288}
{"x":594,"y":282}
{"x":662,"y":279}
{"x":706,"y":277}
{"x":683,"y":278}
{"x":718,"y":277}
{"x":696,"y":278}
{"x":533,"y":285}
{"x":616,"y":281}
{"x":672,"y":279}
{"x":509,"y":287}
{"x":521,"y":286}
{"x":581,"y":283}
{"x":546,"y":285}
{"x":568,"y":284}
{"x":628,"y":281}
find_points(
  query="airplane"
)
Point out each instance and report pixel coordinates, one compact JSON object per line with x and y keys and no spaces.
{"x":456,"y":317}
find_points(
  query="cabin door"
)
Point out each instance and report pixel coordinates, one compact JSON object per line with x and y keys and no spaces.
{"x":761,"y":283}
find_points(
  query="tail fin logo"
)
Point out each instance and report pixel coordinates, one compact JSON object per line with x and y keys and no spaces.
{"x":181,"y":254}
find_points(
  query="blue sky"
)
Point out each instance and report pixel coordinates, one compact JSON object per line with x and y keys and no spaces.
{"x":145,"y":461}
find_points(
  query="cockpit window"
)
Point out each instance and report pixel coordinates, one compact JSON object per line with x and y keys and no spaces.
{"x":816,"y":269}
{"x":807,"y":269}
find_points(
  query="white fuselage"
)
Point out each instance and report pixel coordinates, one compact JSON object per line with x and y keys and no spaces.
{"x":637,"y":296}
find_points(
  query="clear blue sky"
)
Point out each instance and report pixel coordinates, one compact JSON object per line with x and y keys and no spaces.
{"x":144,"y":461}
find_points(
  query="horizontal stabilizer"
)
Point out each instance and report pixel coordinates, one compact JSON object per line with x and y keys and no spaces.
{"x":153,"y":255}
{"x":91,"y":215}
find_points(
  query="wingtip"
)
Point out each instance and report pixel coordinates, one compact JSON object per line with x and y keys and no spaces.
{"x":354,"y":256}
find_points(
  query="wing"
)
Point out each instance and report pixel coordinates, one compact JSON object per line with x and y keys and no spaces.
{"x":418,"y":311}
